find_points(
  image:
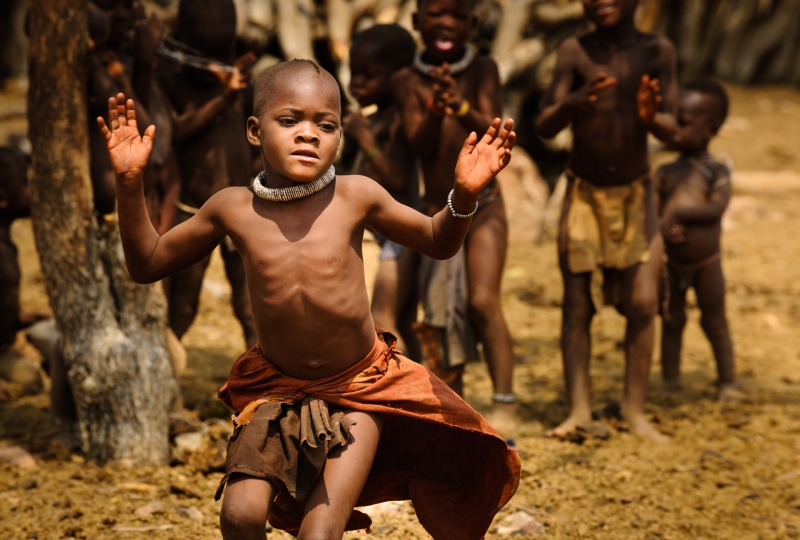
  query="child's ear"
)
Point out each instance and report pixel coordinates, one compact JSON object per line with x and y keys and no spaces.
{"x":254,"y":131}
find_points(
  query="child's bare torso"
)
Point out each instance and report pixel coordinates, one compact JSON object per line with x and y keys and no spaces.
{"x":305,"y":274}
{"x":217,"y":155}
{"x":684,"y":184}
{"x":610,"y":142}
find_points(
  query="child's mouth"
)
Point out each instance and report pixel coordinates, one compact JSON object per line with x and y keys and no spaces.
{"x":604,"y":9}
{"x":306,"y":156}
{"x":443,"y":45}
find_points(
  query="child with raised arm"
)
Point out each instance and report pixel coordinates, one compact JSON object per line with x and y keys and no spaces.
{"x":613,"y":86}
{"x":385,"y":155}
{"x":329,"y":416}
{"x":693,"y":193}
{"x":210,"y":107}
{"x":449,"y":92}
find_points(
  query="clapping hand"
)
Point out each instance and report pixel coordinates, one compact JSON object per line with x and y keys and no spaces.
{"x":446,"y":94}
{"x":235,"y":80}
{"x":648,"y":99}
{"x":584,"y":97}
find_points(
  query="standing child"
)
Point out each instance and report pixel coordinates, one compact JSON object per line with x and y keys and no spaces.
{"x":608,"y":86}
{"x":211,"y":109}
{"x":384,"y":154}
{"x":318,"y":430}
{"x":693,"y":192}
{"x":450,"y":92}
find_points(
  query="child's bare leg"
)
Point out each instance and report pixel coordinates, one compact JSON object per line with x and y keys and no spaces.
{"x":672,"y":332}
{"x":245,"y":508}
{"x":184,"y":296}
{"x":335,"y":495}
{"x":639,"y":306}
{"x":240,"y":295}
{"x":576,"y":345}
{"x":486,"y":256}
{"x":710,"y":289}
{"x":385,"y":299}
{"x":408,"y":302}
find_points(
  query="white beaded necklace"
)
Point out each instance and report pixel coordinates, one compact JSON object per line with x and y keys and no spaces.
{"x":455,"y":67}
{"x":293,"y":192}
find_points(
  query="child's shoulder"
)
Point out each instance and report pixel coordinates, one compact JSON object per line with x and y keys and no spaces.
{"x":231,"y":200}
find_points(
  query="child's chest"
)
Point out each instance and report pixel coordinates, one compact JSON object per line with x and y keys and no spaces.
{"x":627,"y":66}
{"x":686,"y":183}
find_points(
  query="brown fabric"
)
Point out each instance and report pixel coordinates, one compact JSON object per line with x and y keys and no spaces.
{"x":606,"y":230}
{"x":286,"y":444}
{"x":434,"y":450}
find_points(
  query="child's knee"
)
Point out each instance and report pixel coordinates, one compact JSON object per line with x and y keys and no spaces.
{"x":484,"y":304}
{"x":577,"y":314}
{"x":237,"y":518}
{"x":714,"y":325}
{"x":642,"y":307}
{"x":675,"y":321}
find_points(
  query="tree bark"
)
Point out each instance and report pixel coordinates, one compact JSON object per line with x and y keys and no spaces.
{"x":113,"y":331}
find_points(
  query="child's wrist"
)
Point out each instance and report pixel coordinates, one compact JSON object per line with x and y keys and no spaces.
{"x":462,"y":201}
{"x":434,"y":108}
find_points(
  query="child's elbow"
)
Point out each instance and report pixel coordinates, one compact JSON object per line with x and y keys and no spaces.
{"x":141,"y":277}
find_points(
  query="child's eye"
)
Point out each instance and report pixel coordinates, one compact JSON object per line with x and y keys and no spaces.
{"x":287,"y":121}
{"x":327,"y":126}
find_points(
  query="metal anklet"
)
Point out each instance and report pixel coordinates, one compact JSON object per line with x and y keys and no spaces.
{"x":504,"y":398}
{"x":453,"y":210}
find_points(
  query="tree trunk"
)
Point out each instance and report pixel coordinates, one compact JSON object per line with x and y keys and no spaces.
{"x":113,"y":331}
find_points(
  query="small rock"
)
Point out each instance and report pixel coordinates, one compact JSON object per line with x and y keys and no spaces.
{"x":384,"y":508}
{"x":189,"y":512}
{"x":17,"y":456}
{"x":519,"y":524}
{"x":21,"y":370}
{"x":30,"y":483}
{"x":189,"y":442}
{"x":149,"y":509}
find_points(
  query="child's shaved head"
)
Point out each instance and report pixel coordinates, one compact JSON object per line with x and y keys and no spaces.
{"x":714,"y":90}
{"x":389,"y":44}
{"x":280,"y":74}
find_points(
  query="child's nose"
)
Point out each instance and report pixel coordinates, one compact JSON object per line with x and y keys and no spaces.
{"x":307,"y":133}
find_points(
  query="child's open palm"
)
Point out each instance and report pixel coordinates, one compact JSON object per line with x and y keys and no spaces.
{"x":128,"y":151}
{"x":480,"y":161}
{"x":648,"y":99}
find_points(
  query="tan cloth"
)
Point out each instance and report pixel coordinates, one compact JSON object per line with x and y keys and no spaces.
{"x":606,"y":230}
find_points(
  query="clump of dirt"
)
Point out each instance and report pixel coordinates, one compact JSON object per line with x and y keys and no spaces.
{"x":727,"y":472}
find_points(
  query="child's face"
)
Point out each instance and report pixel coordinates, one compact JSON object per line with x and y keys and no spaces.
{"x":609,"y":13}
{"x":445,"y":27}
{"x":696,"y":122}
{"x":299,"y":128}
{"x":370,"y":81}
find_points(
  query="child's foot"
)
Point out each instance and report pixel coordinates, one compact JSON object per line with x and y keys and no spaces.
{"x":639,"y":425}
{"x":568,"y":426}
{"x":673,"y":385}
{"x":503,"y":419}
{"x":730,"y":395}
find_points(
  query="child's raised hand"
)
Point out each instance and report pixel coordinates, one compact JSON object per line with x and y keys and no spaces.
{"x":480,"y":161}
{"x":585,"y":96}
{"x":127,"y":150}
{"x":235,"y":81}
{"x":648,"y":99}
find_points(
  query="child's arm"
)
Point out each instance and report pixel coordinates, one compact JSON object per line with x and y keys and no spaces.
{"x":441,"y":236}
{"x":386,"y":169}
{"x":423,"y":128}
{"x":561,"y":103}
{"x":473,"y":116}
{"x":148,"y":256}
{"x":190,"y":122}
{"x":711,"y":211}
{"x":658,"y":97}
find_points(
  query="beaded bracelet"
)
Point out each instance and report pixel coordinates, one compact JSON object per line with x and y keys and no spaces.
{"x":372,"y":153}
{"x":504,"y":398}
{"x":453,"y":210}
{"x":463,"y":110}
{"x":434,"y":108}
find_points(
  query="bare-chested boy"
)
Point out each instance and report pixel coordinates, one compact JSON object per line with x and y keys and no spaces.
{"x":613,"y":86}
{"x":385,"y":155}
{"x":693,"y":193}
{"x":449,"y":92}
{"x":211,"y":109}
{"x":317,"y":427}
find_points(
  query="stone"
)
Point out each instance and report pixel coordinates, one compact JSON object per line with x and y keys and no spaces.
{"x":21,"y":370}
{"x":519,"y":524}
{"x":18,"y":456}
{"x":149,"y":509}
{"x":190,"y":442}
{"x":189,"y":512}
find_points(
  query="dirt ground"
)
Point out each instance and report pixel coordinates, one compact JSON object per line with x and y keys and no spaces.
{"x":724,"y":474}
